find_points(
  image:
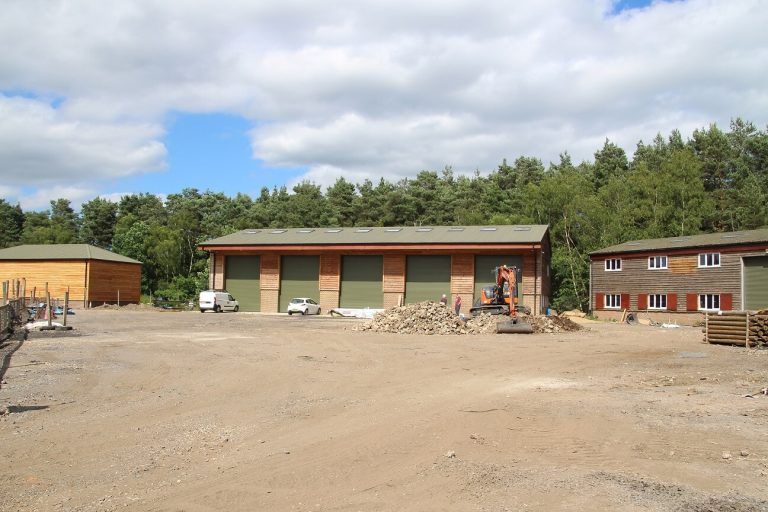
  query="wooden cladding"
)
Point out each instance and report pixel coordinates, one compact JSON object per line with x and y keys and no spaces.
{"x":394,"y":273}
{"x":59,"y":275}
{"x":462,"y":274}
{"x":330,"y":273}
{"x":87,"y":280}
{"x":683,"y":279}
{"x":270,"y":272}
{"x":217,"y":279}
{"x":682,"y":264}
{"x":111,"y":281}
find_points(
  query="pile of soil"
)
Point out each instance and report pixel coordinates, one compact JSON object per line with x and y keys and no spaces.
{"x":550,"y":324}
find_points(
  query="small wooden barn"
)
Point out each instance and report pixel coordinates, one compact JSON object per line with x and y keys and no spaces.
{"x":93,"y":276}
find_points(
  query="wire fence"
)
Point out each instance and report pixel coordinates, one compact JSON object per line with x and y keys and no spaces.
{"x":10,"y":313}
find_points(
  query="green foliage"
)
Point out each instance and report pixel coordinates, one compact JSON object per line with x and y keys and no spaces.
{"x":716,"y":181}
{"x":11,"y":224}
{"x":98,"y":219}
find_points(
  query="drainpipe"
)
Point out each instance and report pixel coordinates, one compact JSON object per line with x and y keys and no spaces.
{"x":591,"y":307}
{"x":536,"y":305}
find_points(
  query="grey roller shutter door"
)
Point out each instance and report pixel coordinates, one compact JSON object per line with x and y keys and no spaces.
{"x":362,"y":282}
{"x":484,"y":274}
{"x":299,"y":277}
{"x":427,"y":278}
{"x":242,"y":280}
{"x":756,"y":282}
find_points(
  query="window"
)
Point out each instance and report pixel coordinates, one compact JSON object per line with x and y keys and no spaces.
{"x":657,"y":262}
{"x":657,"y":301}
{"x":612,"y":301}
{"x":613,"y":265}
{"x":709,"y":259}
{"x":709,"y":302}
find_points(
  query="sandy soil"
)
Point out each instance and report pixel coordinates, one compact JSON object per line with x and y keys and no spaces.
{"x":154,"y":411}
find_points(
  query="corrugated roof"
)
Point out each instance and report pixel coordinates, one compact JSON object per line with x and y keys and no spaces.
{"x":62,"y":252}
{"x":524,"y":234}
{"x":757,"y":236}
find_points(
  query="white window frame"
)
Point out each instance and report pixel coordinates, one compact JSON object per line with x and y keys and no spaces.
{"x":612,"y":298}
{"x":658,"y":262}
{"x":711,"y":256}
{"x":707,"y":302}
{"x":613,"y":265}
{"x":657,"y":301}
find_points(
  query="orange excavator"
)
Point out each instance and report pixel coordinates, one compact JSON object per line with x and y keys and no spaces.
{"x":501,"y":298}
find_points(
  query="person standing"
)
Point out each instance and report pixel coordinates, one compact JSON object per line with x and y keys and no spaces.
{"x":457,"y":304}
{"x":444,"y":300}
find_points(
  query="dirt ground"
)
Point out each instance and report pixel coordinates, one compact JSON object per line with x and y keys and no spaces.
{"x":164,"y":411}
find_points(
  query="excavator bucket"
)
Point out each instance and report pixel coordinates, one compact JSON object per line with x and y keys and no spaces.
{"x":513,"y":327}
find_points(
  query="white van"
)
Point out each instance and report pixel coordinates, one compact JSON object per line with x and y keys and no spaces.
{"x":211,"y":300}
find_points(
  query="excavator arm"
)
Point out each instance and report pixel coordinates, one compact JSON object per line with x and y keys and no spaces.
{"x":505,"y":274}
{"x":508,"y":275}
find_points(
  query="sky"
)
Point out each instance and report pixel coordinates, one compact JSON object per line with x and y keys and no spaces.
{"x":102,"y":99}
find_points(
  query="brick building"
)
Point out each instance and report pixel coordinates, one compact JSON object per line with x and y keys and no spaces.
{"x":377,"y":267}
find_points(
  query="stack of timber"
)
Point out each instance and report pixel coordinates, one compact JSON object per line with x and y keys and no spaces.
{"x":748,"y":328}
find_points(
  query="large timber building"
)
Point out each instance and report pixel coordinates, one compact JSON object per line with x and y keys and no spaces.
{"x":377,"y":267}
{"x":92,"y":275}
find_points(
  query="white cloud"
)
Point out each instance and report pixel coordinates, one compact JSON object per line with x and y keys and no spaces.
{"x":41,"y":198}
{"x":368,"y":89}
{"x":42,"y":145}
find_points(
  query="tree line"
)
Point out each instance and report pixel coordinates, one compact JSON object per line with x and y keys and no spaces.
{"x":714,"y":181}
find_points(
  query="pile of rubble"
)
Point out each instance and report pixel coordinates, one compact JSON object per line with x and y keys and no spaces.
{"x":435,"y":318}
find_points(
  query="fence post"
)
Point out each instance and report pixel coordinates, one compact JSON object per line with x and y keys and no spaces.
{"x":706,"y":327}
{"x":746,"y":328}
{"x":66,"y":306}
{"x":5,"y":293}
{"x":118,"y":297}
{"x":48,"y":309}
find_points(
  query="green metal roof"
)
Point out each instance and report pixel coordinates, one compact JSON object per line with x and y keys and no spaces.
{"x":525,"y":234}
{"x":62,"y":252}
{"x":757,"y":236}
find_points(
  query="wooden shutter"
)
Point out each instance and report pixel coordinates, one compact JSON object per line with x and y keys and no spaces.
{"x":599,"y":301}
{"x":672,"y":301}
{"x":726,"y":301}
{"x":624,"y":301}
{"x":692,"y":302}
{"x":642,"y":301}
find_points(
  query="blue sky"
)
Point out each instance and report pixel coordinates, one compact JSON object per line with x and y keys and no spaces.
{"x":210,"y":151}
{"x":140,"y":96}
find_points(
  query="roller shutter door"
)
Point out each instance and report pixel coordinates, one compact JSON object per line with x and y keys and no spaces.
{"x":242,"y":275}
{"x":299,"y":277}
{"x":427,"y":278}
{"x":484,"y":274}
{"x":756,"y":282}
{"x":361,"y":282}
